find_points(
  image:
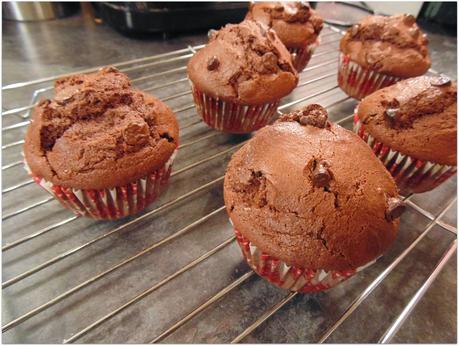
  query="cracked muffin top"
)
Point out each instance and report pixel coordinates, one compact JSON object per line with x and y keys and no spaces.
{"x":98,"y":132}
{"x":416,"y":116}
{"x":312,"y":194}
{"x":245,"y":64}
{"x":296,"y":23}
{"x":392,"y":45}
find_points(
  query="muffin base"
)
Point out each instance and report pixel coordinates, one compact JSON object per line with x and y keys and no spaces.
{"x":358,"y":82}
{"x":410,"y":174}
{"x":232,"y":117}
{"x":301,"y":56}
{"x":110,"y":204}
{"x":290,"y":277}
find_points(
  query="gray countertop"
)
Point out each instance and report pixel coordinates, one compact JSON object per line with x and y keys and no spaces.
{"x":40,"y":49}
{"x":35,"y":50}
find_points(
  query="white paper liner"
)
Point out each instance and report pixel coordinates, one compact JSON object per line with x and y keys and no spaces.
{"x":232,"y":117}
{"x":410,"y":174}
{"x":358,"y":82}
{"x":110,"y":204}
{"x":291,"y":277}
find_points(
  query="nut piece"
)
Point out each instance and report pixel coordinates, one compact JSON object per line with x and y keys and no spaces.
{"x":213,"y":63}
{"x":395,"y":208}
{"x":440,"y":81}
{"x":321,"y":176}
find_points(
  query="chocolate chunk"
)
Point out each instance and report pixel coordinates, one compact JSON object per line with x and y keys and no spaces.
{"x":269,"y":61}
{"x":409,"y":19}
{"x":284,"y":66}
{"x":441,"y":81}
{"x":391,"y":112}
{"x":321,"y":176}
{"x":213,"y":63}
{"x":251,"y":38}
{"x":234,"y":78}
{"x":395,"y":208}
{"x":313,"y":115}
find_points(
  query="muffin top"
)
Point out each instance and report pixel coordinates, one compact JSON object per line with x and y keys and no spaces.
{"x":296,"y":23}
{"x":312,"y":194}
{"x":98,"y":132}
{"x":392,"y":45}
{"x":244,"y":63}
{"x":416,"y":116}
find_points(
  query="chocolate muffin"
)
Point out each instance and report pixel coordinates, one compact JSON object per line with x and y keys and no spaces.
{"x":310,"y":203}
{"x":411,"y":127}
{"x":239,"y":77}
{"x":296,"y":23}
{"x":101,"y":147}
{"x":380,"y":51}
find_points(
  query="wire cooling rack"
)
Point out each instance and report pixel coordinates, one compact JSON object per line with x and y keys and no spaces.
{"x":174,"y":272}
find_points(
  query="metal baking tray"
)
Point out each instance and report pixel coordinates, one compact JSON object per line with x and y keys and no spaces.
{"x":174,"y":272}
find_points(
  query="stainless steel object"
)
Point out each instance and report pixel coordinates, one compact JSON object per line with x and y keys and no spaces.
{"x":35,"y":10}
{"x":174,"y":272}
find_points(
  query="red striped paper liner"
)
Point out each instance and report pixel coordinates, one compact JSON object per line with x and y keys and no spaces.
{"x":110,"y":204}
{"x":232,"y":117}
{"x":289,"y":277}
{"x":411,"y":175}
{"x":358,"y":82}
{"x":301,"y":56}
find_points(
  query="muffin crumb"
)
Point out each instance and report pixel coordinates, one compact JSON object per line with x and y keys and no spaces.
{"x":312,"y":115}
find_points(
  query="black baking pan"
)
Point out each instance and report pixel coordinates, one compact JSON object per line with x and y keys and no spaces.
{"x":166,"y":17}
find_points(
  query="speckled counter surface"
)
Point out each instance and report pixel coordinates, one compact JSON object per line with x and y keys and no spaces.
{"x":35,"y":50}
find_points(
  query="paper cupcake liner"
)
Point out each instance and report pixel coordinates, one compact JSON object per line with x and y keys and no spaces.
{"x":301,"y":56}
{"x":110,"y":204}
{"x":410,"y":174}
{"x":291,"y":277}
{"x":358,"y":82}
{"x":232,"y":117}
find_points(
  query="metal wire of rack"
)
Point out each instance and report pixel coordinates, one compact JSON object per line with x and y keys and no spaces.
{"x":150,"y":278}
